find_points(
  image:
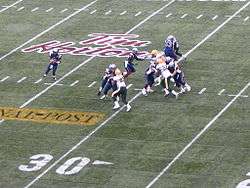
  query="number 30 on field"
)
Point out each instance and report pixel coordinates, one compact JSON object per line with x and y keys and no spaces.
{"x":70,"y":167}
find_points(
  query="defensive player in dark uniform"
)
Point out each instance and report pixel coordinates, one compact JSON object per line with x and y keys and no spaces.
{"x":171,"y":48}
{"x":129,"y":65}
{"x":178,"y":77}
{"x":107,"y":81}
{"x":55,"y":60}
{"x":149,"y":79}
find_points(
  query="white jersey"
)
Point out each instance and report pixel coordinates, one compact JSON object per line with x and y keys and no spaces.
{"x":163,"y":68}
{"x":119,"y":81}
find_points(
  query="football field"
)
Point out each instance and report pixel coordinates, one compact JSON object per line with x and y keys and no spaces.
{"x":59,"y":134}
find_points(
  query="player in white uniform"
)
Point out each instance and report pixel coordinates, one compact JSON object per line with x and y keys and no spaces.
{"x":121,"y":90}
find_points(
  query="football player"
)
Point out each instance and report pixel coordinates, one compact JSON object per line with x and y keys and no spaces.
{"x":107,"y":81}
{"x":178,"y":77}
{"x":55,"y":60}
{"x":129,"y":65}
{"x":150,"y":73}
{"x":162,"y":67}
{"x":121,"y":90}
{"x":171,"y":48}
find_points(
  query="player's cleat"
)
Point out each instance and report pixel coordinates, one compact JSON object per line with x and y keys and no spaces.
{"x":175,"y":94}
{"x":150,"y":91}
{"x":166,"y":92}
{"x":99,"y":93}
{"x":44,"y":75}
{"x":116,"y":105}
{"x":182,"y":90}
{"x":103,"y":97}
{"x":54,"y":77}
{"x":187,"y":87}
{"x":144,"y":92}
{"x":128,"y":107}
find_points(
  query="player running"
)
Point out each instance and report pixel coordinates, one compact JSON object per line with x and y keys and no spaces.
{"x":55,"y":60}
{"x":121,"y":90}
{"x":129,"y":65}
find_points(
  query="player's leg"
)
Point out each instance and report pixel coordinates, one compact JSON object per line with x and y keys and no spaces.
{"x":54,"y":71}
{"x":50,"y":66}
{"x":103,"y":83}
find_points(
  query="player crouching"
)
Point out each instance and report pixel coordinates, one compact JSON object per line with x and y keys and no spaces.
{"x":55,"y":60}
{"x":121,"y":90}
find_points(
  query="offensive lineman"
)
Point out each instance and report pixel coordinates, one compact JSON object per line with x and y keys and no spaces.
{"x":55,"y":60}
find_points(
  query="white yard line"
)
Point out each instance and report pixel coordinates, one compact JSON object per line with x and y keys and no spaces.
{"x":19,"y":9}
{"x":101,"y":125}
{"x":50,"y":9}
{"x":151,"y":183}
{"x":138,"y":13}
{"x":38,"y":81}
{"x":244,"y":96}
{"x":202,"y":91}
{"x":149,"y":17}
{"x":215,"y":17}
{"x":47,"y":30}
{"x":34,"y":9}
{"x":221,"y":91}
{"x":124,"y":12}
{"x":74,"y":83}
{"x":92,"y":12}
{"x":21,"y":80}
{"x":183,"y":16}
{"x":12,"y":5}
{"x":168,"y":15}
{"x":198,"y":17}
{"x":108,"y":12}
{"x":92,"y":84}
{"x":5,"y":78}
{"x":64,"y":10}
{"x":246,"y":18}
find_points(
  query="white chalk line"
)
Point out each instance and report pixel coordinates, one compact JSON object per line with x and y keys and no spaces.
{"x":47,"y":30}
{"x":151,"y":183}
{"x":12,"y":5}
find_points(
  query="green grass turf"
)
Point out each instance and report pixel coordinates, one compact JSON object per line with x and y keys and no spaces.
{"x":140,"y":143}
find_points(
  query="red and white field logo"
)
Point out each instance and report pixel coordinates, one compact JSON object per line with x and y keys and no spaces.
{"x":100,"y":45}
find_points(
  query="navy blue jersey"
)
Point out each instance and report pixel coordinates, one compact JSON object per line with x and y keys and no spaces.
{"x":55,"y":56}
{"x":132,"y":56}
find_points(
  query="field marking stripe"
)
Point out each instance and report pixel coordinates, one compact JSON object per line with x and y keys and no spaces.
{"x":214,"y":31}
{"x":150,"y":16}
{"x":217,"y":116}
{"x":101,"y":125}
{"x":74,"y":83}
{"x":221,"y":91}
{"x":48,"y":29}
{"x":56,"y":82}
{"x":5,"y":78}
{"x":93,"y":83}
{"x":22,"y":79}
{"x":79,"y":143}
{"x":202,"y":91}
{"x":197,"y":136}
{"x":12,"y":5}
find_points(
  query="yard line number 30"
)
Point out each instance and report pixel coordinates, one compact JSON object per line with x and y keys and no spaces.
{"x":70,"y":167}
